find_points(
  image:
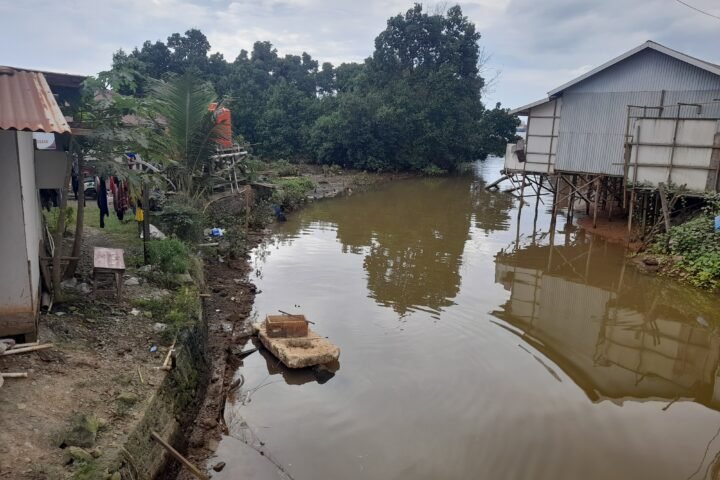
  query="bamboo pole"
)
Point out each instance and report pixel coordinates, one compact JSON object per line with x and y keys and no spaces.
{"x":193,"y":469}
{"x":13,"y":351}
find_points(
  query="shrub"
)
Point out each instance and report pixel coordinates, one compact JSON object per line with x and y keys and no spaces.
{"x":283,"y":168}
{"x":170,"y":255}
{"x":181,"y":218}
{"x":176,"y":311}
{"x":51,"y":218}
{"x":698,"y":244}
{"x":292,"y":192}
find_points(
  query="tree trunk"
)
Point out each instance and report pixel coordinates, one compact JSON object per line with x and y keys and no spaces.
{"x":79,"y":220}
{"x":146,"y":221}
{"x":56,"y":277}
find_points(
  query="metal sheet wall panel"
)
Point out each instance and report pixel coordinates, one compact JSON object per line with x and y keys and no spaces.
{"x":592,"y":130}
{"x":593,"y":126}
{"x":658,"y":133}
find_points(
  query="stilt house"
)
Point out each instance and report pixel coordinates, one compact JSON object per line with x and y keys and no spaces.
{"x":649,"y":116}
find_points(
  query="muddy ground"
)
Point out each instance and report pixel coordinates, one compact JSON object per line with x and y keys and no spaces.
{"x":101,"y":367}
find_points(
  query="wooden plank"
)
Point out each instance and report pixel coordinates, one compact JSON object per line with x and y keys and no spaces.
{"x":109,"y":258}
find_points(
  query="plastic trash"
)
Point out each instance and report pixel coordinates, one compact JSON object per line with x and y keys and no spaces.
{"x":217,"y":232}
{"x":717,"y":223}
{"x":153,"y":349}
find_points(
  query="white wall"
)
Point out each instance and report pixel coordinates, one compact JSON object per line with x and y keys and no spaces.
{"x":31,"y":210}
{"x":659,"y":132}
{"x":16,"y":293}
{"x":541,"y":140}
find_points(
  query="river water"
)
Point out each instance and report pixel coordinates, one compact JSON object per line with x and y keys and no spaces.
{"x":474,"y":346}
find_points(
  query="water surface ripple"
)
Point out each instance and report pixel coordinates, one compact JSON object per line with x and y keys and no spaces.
{"x":473,"y":347}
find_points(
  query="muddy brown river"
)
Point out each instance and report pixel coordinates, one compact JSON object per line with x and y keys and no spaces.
{"x":474,"y":346}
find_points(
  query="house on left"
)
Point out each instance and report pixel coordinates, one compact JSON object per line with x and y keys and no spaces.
{"x":34,"y":143}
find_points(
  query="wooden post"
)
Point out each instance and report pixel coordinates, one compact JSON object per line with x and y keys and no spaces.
{"x":553,"y":215}
{"x":522,"y":200}
{"x":712,"y":185}
{"x":146,"y":221}
{"x":644,"y":214}
{"x":674,"y":144}
{"x":597,"y":201}
{"x":79,"y":219}
{"x":630,"y":210}
{"x":664,"y":204}
{"x":611,"y":183}
{"x":56,"y":277}
{"x":537,"y":204}
{"x":571,"y":205}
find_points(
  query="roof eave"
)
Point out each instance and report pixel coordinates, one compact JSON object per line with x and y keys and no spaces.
{"x":525,"y":109}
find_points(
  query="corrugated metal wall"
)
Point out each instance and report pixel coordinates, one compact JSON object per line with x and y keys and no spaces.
{"x":593,"y":121}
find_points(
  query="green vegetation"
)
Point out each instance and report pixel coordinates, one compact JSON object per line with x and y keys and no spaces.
{"x":181,"y":218}
{"x":415,"y":104}
{"x":51,"y":217}
{"x":291,"y":192}
{"x":697,"y":245}
{"x":177,"y":310}
{"x":170,"y":255}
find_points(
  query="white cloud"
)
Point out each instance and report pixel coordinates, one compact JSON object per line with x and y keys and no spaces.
{"x":536,"y":45}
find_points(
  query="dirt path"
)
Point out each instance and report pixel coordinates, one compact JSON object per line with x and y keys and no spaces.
{"x":101,"y":368}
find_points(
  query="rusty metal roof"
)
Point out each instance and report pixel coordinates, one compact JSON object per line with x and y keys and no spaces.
{"x":26,"y":103}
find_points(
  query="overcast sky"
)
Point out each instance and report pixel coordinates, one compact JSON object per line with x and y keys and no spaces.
{"x":534,"y":45}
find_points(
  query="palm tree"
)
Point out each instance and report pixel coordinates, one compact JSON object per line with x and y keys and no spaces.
{"x":185,"y":132}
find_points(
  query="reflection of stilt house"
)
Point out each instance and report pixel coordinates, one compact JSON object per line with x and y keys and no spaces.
{"x":615,"y":343}
{"x":647,"y":119}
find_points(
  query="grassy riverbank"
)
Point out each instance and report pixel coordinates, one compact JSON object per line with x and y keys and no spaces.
{"x":690,"y":251}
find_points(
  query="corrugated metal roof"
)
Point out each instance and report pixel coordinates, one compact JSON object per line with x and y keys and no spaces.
{"x":707,"y":66}
{"x":26,"y":103}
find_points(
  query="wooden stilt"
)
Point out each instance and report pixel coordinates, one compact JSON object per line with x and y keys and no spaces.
{"x":571,"y":205}
{"x":630,"y":211}
{"x":644,"y":214}
{"x":597,"y":201}
{"x":664,"y":205}
{"x":537,"y":205}
{"x":553,"y":215}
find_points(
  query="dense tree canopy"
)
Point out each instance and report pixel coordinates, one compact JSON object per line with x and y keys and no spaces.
{"x":415,"y":104}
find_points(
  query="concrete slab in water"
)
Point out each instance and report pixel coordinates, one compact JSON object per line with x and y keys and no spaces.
{"x":300,"y":352}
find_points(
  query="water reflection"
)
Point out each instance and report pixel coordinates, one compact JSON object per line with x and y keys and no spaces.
{"x":616,"y":335}
{"x":412,"y":249}
{"x":579,"y":383}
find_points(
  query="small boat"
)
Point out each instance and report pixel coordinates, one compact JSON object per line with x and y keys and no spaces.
{"x":294,"y":343}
